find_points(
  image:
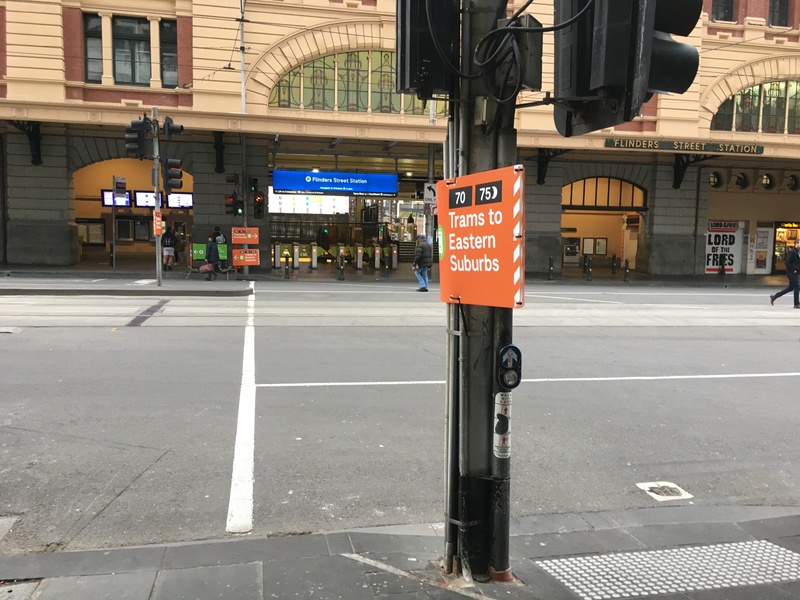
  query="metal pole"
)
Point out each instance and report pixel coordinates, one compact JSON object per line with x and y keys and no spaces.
{"x":245,"y":268}
{"x":156,"y":170}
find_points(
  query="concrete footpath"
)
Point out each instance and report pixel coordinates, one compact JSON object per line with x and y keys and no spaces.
{"x":679,"y":552}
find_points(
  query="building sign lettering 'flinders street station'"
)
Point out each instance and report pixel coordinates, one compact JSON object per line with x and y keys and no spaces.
{"x":679,"y":146}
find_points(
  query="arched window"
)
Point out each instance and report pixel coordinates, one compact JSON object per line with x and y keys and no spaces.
{"x":602,"y":193}
{"x":772,"y":107}
{"x":358,"y":81}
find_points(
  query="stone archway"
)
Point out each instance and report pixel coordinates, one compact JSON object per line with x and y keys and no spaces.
{"x":744,"y":75}
{"x":304,"y":45}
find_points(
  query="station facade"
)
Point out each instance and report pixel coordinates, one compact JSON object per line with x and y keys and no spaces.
{"x":705,"y":180}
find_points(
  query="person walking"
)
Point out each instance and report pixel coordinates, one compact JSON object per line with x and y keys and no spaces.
{"x":423,"y":261}
{"x":792,"y":270}
{"x":168,"y":243}
{"x":212,"y":257}
{"x":221,"y":240}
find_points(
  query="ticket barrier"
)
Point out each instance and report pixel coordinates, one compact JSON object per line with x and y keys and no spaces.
{"x":359,"y":256}
{"x":340,"y":262}
{"x":276,"y":256}
{"x":313,"y":264}
{"x":296,"y":255}
{"x":377,"y":257}
{"x":393,"y":255}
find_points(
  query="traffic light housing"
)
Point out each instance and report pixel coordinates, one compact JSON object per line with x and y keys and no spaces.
{"x":173,"y":174}
{"x":616,"y":55}
{"x":258,"y":205}
{"x":252,"y":183}
{"x":230,"y":204}
{"x":171,"y":128}
{"x":238,"y":206}
{"x":136,"y":138}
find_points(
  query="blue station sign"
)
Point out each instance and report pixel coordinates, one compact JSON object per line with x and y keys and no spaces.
{"x":356,"y":184}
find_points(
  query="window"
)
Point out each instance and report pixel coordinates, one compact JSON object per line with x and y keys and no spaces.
{"x":168,"y":31}
{"x":779,"y":13}
{"x":93,"y":48}
{"x":350,"y":81}
{"x":602,"y":193}
{"x":722,"y":10}
{"x":131,"y":51}
{"x":772,"y":107}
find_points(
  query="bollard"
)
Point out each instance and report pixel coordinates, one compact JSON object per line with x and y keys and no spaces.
{"x":111,"y":255}
{"x":550,"y":271}
{"x":341,"y":266}
{"x":613,"y":264}
{"x":589,"y":269}
{"x":286,"y":265}
{"x":627,"y":269}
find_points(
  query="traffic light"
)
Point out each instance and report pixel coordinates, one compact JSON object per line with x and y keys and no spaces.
{"x":170,"y":128}
{"x":253,"y":184}
{"x":509,"y":367}
{"x":615,"y":55}
{"x":230,"y":204}
{"x":136,"y":137}
{"x":238,"y":206}
{"x":258,"y":205}
{"x":172,"y":174}
{"x":234,"y":179}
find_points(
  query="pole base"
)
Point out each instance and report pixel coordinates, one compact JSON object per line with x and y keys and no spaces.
{"x":503,"y":576}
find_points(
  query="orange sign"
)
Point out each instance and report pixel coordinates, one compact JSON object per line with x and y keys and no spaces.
{"x":242,"y":257}
{"x":244,"y":235}
{"x":158,"y":224}
{"x":482,"y":238}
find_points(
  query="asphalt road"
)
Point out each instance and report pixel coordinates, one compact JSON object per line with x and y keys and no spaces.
{"x":122,"y":419}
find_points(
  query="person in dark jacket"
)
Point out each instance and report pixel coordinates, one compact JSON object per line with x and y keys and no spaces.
{"x":423,"y":261}
{"x":212,"y":256}
{"x":792,"y":273}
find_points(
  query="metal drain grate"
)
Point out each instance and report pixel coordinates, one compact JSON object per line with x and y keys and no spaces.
{"x":675,"y":570}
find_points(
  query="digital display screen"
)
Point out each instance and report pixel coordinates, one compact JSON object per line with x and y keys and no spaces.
{"x":147,"y":199}
{"x":178,"y":200}
{"x":357,"y":184}
{"x":109,"y":200}
{"x":307,"y":204}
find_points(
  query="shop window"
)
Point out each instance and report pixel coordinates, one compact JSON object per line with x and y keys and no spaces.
{"x":133,"y":230}
{"x":93,"y":47}
{"x":722,"y":10}
{"x":779,"y":13}
{"x":125,"y":230}
{"x":168,"y":35}
{"x":131,"y":51}
{"x":91,"y":232}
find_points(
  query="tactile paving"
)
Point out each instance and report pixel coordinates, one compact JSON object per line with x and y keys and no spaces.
{"x":674,"y":570}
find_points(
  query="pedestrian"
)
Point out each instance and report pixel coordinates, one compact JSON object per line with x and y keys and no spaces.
{"x":168,"y":243}
{"x":423,"y":261}
{"x":792,"y":269}
{"x":220,"y":239}
{"x":212,"y":257}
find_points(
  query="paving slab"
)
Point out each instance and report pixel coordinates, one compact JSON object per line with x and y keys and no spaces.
{"x":229,"y":582}
{"x":18,"y":591}
{"x":120,"y":586}
{"x":321,"y":578}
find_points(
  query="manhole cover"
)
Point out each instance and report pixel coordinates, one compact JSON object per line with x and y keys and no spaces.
{"x":664,"y":490}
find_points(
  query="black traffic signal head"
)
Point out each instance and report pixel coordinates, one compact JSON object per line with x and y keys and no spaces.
{"x":171,"y":128}
{"x":253,"y":184}
{"x":616,"y":55}
{"x":238,"y":206}
{"x":173,"y":174}
{"x":136,"y":138}
{"x":509,"y":367}
{"x":230,"y":204}
{"x":234,"y":179}
{"x":258,"y":205}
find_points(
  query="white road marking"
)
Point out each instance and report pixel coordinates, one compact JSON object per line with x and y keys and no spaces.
{"x":541,"y":380}
{"x":143,"y":282}
{"x":240,"y":506}
{"x":414,"y":576}
{"x":572,"y":299}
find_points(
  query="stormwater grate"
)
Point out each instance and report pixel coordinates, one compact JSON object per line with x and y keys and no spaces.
{"x":675,"y":570}
{"x":664,"y":490}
